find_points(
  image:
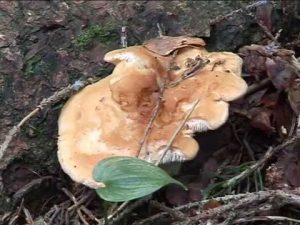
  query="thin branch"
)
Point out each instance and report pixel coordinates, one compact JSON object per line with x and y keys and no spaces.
{"x":28,"y":216}
{"x":16,"y":215}
{"x":123,"y":205}
{"x":74,"y":200}
{"x":279,"y":196}
{"x":56,"y":97}
{"x":124,"y":42}
{"x":298,"y":126}
{"x":240,"y":10}
{"x":119,"y":209}
{"x":268,"y":33}
{"x":151,"y":122}
{"x":258,"y":86}
{"x":260,"y":163}
{"x":90,"y":214}
{"x":160,"y":31}
{"x":174,"y":213}
{"x":266,"y":218}
{"x":156,"y":108}
{"x":128,"y":209}
{"x":200,"y":63}
{"x":233,"y":202}
{"x":179,"y":128}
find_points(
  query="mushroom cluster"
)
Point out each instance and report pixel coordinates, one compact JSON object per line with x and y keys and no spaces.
{"x":109,"y":118}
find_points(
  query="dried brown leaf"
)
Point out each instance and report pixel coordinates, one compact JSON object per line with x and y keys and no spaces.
{"x":211,"y":204}
{"x":292,"y":173}
{"x":280,"y":72}
{"x":194,"y":191}
{"x":294,"y":95}
{"x":165,"y":45}
{"x":283,"y":116}
{"x":260,"y":119}
{"x":254,"y":59}
{"x":275,"y":177}
{"x":176,"y":195}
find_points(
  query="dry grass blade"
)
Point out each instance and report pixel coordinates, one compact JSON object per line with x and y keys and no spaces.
{"x":28,"y":216}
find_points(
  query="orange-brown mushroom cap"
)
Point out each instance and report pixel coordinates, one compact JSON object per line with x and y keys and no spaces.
{"x":109,"y":118}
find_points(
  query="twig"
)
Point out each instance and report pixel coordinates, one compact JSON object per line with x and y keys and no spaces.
{"x":294,"y":43}
{"x":298,"y":126}
{"x":119,"y":209}
{"x":5,"y":217}
{"x":258,"y":86}
{"x":279,"y":196}
{"x":266,"y":218}
{"x":54,"y":215}
{"x":74,"y":200}
{"x":17,"y":214}
{"x":200,"y":63}
{"x":268,"y":33}
{"x":174,"y":213}
{"x":28,"y":216}
{"x":240,"y":10}
{"x":151,"y":122}
{"x":156,"y":108}
{"x":56,"y":97}
{"x":129,"y":209}
{"x":164,"y":151}
{"x":259,"y":163}
{"x":124,"y":43}
{"x":90,"y":214}
{"x":160,"y":31}
{"x":229,"y":219}
{"x":232,"y":202}
{"x":293,"y":127}
{"x":28,"y":187}
{"x":82,"y":200}
{"x":199,"y":205}
{"x":149,"y":127}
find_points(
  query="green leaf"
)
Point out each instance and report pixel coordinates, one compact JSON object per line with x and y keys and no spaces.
{"x":128,"y":178}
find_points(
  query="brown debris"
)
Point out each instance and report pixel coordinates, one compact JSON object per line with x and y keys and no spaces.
{"x":165,"y":45}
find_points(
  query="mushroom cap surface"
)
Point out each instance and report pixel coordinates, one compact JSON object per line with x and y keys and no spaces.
{"x":109,"y":118}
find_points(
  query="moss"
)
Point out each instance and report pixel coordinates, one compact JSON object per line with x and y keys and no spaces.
{"x":32,"y":65}
{"x":103,"y":71}
{"x":105,"y":34}
{"x":41,"y":65}
{"x":2,"y":14}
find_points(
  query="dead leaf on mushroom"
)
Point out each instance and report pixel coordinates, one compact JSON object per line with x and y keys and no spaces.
{"x":165,"y":45}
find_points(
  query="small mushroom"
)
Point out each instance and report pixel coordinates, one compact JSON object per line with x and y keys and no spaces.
{"x":109,"y":118}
